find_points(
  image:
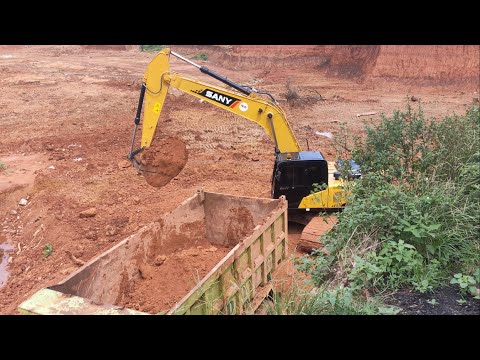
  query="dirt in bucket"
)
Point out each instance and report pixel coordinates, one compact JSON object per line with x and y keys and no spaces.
{"x":164,"y":160}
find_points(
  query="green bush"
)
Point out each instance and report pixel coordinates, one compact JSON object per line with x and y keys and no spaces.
{"x":468,"y":283}
{"x":412,"y":220}
{"x":397,"y":264}
{"x":152,"y":48}
{"x":47,"y":250}
{"x":201,"y":56}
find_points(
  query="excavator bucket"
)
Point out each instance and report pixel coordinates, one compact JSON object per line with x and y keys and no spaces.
{"x":160,"y":161}
{"x":163,"y":161}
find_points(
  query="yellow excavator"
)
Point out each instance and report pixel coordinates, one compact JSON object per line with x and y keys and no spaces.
{"x":306,"y":178}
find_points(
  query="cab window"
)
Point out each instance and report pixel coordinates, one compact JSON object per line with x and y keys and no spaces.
{"x":313,"y":174}
{"x":293,"y":176}
{"x":300,"y":176}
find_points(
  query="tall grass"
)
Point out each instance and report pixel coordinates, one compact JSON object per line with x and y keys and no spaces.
{"x":325,"y":300}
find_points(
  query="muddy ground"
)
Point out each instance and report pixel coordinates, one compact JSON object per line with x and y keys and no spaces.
{"x":66,"y":119}
{"x":445,"y":301}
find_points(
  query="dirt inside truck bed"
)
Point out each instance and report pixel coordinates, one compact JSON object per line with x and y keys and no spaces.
{"x":163,"y":282}
{"x":68,"y":112}
{"x":155,"y":268}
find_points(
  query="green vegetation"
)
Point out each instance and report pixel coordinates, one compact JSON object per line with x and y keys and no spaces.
{"x":3,"y":166}
{"x":325,"y":301}
{"x":468,"y":284}
{"x":47,"y":250}
{"x":291,"y":94}
{"x":152,"y":48}
{"x":200,"y":56}
{"x":432,"y":302}
{"x":412,"y":220}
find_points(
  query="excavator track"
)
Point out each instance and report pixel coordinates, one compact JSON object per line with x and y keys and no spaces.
{"x":310,"y":238}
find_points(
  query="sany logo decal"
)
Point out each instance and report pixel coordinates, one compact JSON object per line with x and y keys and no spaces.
{"x":218,"y":97}
{"x":224,"y":99}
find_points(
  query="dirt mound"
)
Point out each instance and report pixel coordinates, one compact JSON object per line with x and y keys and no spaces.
{"x":169,"y":278}
{"x":430,"y":65}
{"x":355,"y":61}
{"x":163,"y":161}
{"x":240,"y":223}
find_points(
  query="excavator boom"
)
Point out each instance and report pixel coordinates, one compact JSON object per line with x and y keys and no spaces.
{"x":158,"y":78}
{"x":296,"y":173}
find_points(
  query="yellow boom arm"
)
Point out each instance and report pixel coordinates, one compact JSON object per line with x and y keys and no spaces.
{"x":158,"y":78}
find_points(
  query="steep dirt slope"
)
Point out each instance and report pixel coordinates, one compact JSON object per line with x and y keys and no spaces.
{"x":439,"y":65}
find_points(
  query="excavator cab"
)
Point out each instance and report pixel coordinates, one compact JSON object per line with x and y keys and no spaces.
{"x":295,"y":173}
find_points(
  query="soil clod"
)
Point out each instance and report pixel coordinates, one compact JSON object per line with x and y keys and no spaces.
{"x":163,"y":161}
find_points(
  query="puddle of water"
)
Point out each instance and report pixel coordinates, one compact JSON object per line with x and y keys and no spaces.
{"x":4,"y":248}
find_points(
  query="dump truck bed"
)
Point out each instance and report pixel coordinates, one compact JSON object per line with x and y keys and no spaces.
{"x":214,"y":254}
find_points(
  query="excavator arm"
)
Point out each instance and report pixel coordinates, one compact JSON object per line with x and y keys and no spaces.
{"x":244,"y":102}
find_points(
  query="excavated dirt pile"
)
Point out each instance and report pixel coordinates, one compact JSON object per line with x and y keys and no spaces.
{"x":163,"y":161}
